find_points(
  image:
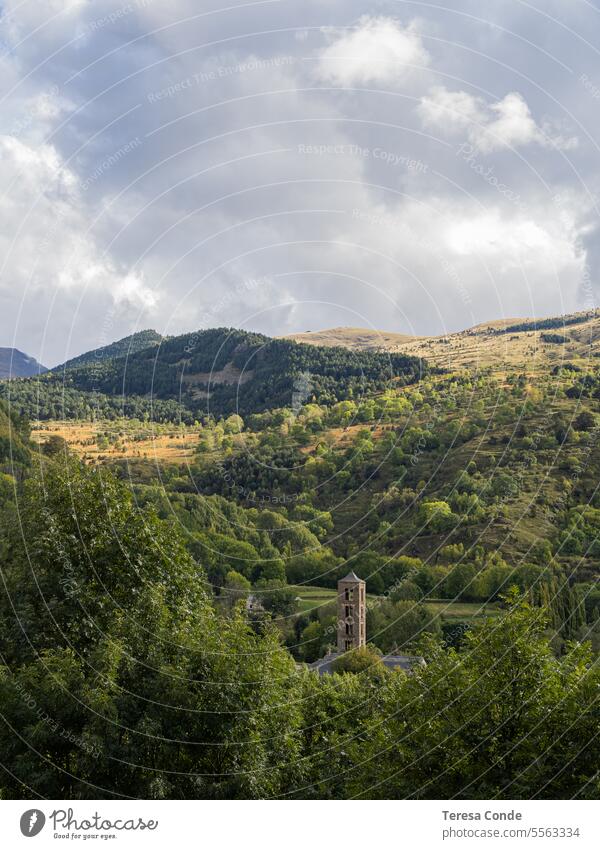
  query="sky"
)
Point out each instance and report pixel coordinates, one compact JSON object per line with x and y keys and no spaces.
{"x":292,"y":165}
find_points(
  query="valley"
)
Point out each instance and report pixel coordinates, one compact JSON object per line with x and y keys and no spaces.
{"x":457,"y":476}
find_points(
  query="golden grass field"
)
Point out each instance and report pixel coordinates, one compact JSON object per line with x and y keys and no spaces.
{"x":355,"y":338}
{"x":109,"y":441}
{"x":477,"y":348}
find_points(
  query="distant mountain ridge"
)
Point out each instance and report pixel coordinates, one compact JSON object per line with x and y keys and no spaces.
{"x":362,"y":338}
{"x":14,"y":363}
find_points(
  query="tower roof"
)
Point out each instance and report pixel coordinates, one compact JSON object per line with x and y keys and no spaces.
{"x":352,"y":577}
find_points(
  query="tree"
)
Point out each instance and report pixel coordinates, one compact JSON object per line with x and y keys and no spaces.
{"x":407,"y":591}
{"x":312,"y":641}
{"x":233,"y":424}
{"x":399,"y":625}
{"x":55,"y":445}
{"x":123,"y":681}
{"x":359,"y":660}
{"x":235,"y":589}
{"x":82,"y":553}
{"x":459,"y":583}
{"x":502,"y":718}
{"x":276,"y":597}
{"x":435,"y":517}
{"x":585,"y":421}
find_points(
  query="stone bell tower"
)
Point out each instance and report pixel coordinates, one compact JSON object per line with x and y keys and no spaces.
{"x":352,"y":627}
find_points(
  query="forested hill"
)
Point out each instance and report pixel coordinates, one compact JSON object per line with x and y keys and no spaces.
{"x":219,"y":371}
{"x":14,"y":363}
{"x":123,"y":348}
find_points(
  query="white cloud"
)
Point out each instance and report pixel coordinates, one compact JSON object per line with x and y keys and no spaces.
{"x":449,"y":256}
{"x":488,"y":126}
{"x":453,"y":110}
{"x":513,"y":126}
{"x":544,"y":244}
{"x":132,"y":290}
{"x":379,"y":50}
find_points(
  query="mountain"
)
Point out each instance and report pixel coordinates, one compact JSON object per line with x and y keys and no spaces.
{"x":220,"y":371}
{"x":223,"y":371}
{"x":14,"y":363}
{"x":123,"y":348}
{"x":226,"y":371}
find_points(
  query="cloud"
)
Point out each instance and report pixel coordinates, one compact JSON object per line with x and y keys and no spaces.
{"x":507,"y":123}
{"x":441,"y":256}
{"x":23,"y":20}
{"x":378,"y":50}
{"x":452,"y":110}
{"x":50,"y":256}
{"x":159,"y":159}
{"x":515,"y":241}
{"x":43,"y":220}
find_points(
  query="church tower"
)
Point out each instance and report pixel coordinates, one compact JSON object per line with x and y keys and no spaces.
{"x":352,"y":626}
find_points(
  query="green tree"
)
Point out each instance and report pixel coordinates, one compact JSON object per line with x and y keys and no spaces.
{"x":399,"y":625}
{"x":360,"y":660}
{"x":585,"y":421}
{"x":235,"y":589}
{"x":276,"y":597}
{"x":503,"y":718}
{"x":435,"y":517}
{"x":121,"y":679}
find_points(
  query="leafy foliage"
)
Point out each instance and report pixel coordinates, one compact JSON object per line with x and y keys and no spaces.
{"x":15,"y":450}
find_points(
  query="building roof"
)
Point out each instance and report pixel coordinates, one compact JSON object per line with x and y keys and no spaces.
{"x":324,"y":664}
{"x":351,"y":576}
{"x":403,"y":661}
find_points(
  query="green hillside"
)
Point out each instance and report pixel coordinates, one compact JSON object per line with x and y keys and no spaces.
{"x":218,"y":371}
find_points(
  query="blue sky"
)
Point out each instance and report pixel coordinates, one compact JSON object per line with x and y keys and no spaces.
{"x":285,"y":166}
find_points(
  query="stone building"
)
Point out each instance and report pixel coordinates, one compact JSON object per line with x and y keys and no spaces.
{"x":352,"y":628}
{"x":352,"y":612}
